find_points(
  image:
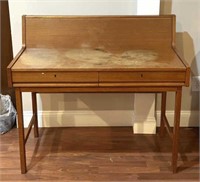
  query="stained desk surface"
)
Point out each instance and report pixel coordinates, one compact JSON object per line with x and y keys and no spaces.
{"x":97,"y":59}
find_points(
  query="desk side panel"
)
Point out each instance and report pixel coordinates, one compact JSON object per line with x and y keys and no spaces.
{"x":188,"y":71}
{"x":9,"y":67}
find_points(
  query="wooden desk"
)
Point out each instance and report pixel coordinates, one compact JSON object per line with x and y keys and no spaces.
{"x":98,"y":54}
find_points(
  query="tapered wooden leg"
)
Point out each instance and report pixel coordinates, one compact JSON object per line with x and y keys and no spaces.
{"x":163,"y":112}
{"x":22,"y":148}
{"x":176,"y":129}
{"x":34,"y":106}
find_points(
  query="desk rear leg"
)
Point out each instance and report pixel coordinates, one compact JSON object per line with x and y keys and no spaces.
{"x":163,"y":113}
{"x":34,"y":106}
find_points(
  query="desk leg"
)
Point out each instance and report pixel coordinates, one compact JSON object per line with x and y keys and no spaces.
{"x":22,"y":143}
{"x":176,"y":129}
{"x":34,"y":106}
{"x":163,"y":112}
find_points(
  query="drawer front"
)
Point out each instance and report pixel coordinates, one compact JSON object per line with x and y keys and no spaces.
{"x":54,"y":77}
{"x":142,"y":76}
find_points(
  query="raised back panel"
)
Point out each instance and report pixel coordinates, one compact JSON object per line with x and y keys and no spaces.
{"x":109,"y":32}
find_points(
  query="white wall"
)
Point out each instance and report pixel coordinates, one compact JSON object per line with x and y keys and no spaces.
{"x":80,"y":109}
{"x":188,"y":16}
{"x":188,"y":43}
{"x":64,"y":7}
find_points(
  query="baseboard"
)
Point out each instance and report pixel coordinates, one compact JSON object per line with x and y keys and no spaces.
{"x":188,"y":118}
{"x":81,"y":118}
{"x":144,"y":125}
{"x":104,"y":118}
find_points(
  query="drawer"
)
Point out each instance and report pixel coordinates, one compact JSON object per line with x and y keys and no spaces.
{"x":54,"y":77}
{"x":146,"y":76}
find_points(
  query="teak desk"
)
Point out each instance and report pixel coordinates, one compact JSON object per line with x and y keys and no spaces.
{"x":98,"y":54}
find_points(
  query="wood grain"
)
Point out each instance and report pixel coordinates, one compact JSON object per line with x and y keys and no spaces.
{"x":163,"y":113}
{"x":35,"y":115}
{"x":19,"y":106}
{"x":37,"y":59}
{"x":110,"y":32}
{"x":88,"y":85}
{"x":102,"y":88}
{"x":99,"y":54}
{"x":176,"y":128}
{"x":99,"y":154}
{"x":188,"y":69}
{"x":141,"y":76}
{"x":59,"y":77}
{"x":9,"y":71}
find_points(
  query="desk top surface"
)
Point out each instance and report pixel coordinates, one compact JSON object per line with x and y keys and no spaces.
{"x":97,"y":59}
